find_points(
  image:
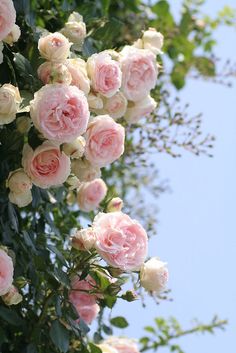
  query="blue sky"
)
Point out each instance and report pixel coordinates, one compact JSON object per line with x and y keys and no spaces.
{"x":196,"y":232}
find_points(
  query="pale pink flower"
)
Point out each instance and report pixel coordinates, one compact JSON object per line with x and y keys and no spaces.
{"x":84,"y":170}
{"x":46,"y":165}
{"x":13,"y":36}
{"x":139,"y":72}
{"x":91,"y":194}
{"x":115,"y":204}
{"x":104,"y":141}
{"x":6,"y":272}
{"x":138,"y":110}
{"x":104,"y":73}
{"x":154,"y":275}
{"x":114,"y":106}
{"x":54,"y":47}
{"x":121,"y":241}
{"x":84,"y":302}
{"x":78,"y":71}
{"x":151,"y":40}
{"x":84,"y":239}
{"x":60,"y":112}
{"x":50,"y":72}
{"x":122,"y":344}
{"x":7,"y":17}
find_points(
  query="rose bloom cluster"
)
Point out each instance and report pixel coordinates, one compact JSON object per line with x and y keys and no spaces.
{"x":8,"y":292}
{"x":9,"y":31}
{"x":75,"y":112}
{"x":123,"y":243}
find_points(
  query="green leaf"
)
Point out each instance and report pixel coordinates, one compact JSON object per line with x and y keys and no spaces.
{"x":58,"y":254}
{"x":59,"y":336}
{"x":119,"y":321}
{"x":94,"y":348}
{"x":205,"y":66}
{"x":178,"y":75}
{"x":105,"y":6}
{"x":10,"y":316}
{"x":149,"y":329}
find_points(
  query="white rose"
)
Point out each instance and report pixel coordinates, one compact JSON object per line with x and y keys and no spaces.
{"x":21,"y":200}
{"x":76,"y":148}
{"x":153,"y":41}
{"x":84,"y":239}
{"x":106,"y":348}
{"x":54,"y":47}
{"x":84,"y":170}
{"x":78,"y":71}
{"x":140,"y":109}
{"x":1,"y":53}
{"x":75,"y":29}
{"x":13,"y":36}
{"x":18,"y":181}
{"x":9,"y":103}
{"x":114,"y":106}
{"x":154,"y":275}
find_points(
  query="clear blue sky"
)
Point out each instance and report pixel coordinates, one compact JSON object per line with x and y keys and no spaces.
{"x":197,"y":220}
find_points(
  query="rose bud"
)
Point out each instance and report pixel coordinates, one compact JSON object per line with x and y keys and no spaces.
{"x":84,"y":170}
{"x":75,"y":29}
{"x":154,"y":275}
{"x":76,"y":148}
{"x":13,"y":36}
{"x":115,"y":204}
{"x":23,"y":124}
{"x":12,"y":297}
{"x":84,"y":239}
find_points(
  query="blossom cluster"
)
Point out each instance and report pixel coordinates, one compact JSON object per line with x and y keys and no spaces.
{"x":75,"y":115}
{"x":76,"y":109}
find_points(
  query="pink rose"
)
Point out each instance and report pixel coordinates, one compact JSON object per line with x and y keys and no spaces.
{"x":6,"y":272}
{"x":50,"y":72}
{"x":84,"y":303}
{"x":140,"y":109}
{"x":115,"y":106}
{"x":60,"y":112}
{"x":122,"y":345}
{"x":104,"y":73}
{"x":139,"y":72}
{"x":121,"y":241}
{"x":77,"y":69}
{"x":88,"y":312}
{"x":104,"y":141}
{"x":54,"y":47}
{"x":91,"y":194}
{"x":7,"y":17}
{"x":46,"y":165}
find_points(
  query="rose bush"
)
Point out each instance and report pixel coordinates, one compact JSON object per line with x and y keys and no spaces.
{"x":68,"y":71}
